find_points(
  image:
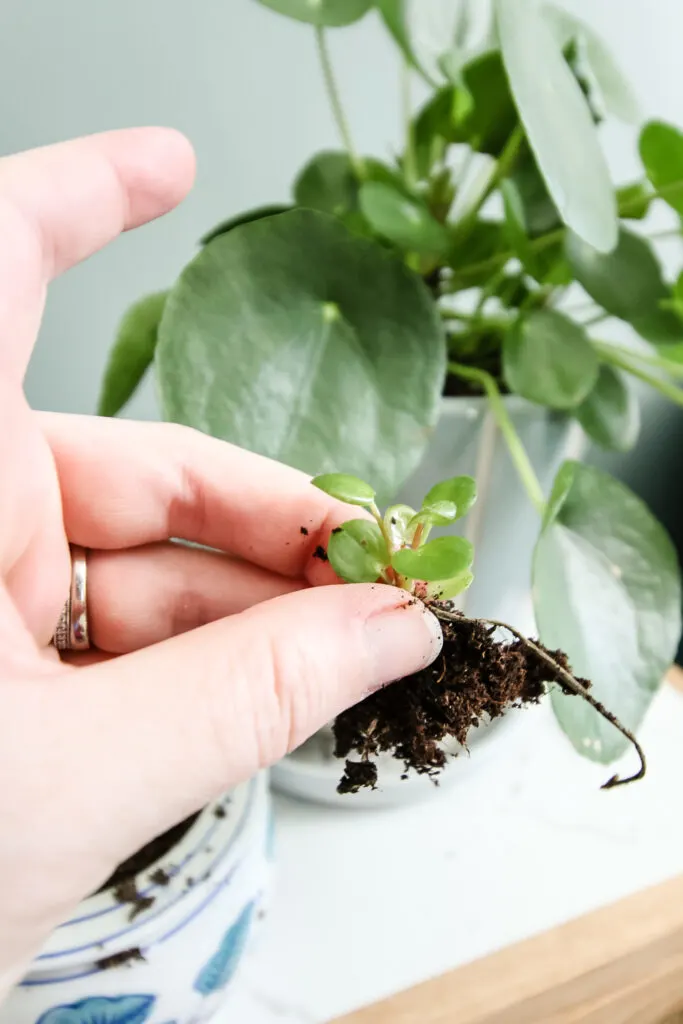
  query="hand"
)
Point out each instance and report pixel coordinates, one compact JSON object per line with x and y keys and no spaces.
{"x":207,"y":666}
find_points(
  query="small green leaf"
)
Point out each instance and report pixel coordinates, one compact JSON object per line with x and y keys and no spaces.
{"x":431,"y":129}
{"x":558,"y":123}
{"x":610,"y":414}
{"x":485,"y":240}
{"x":404,"y":221}
{"x":345,"y":488}
{"x":131,"y":354}
{"x":322,"y":13}
{"x":540,"y":213}
{"x":634,"y":200}
{"x":438,"y":559}
{"x":607,"y":591}
{"x":661,"y":150}
{"x":479,"y":112}
{"x":627,"y":283}
{"x":446,"y":590}
{"x":242,"y":218}
{"x":548,"y":359}
{"x":441,"y":513}
{"x":370,"y":537}
{"x":397,"y":519}
{"x":484,"y":111}
{"x":562,"y":485}
{"x":353,"y":555}
{"x":394,"y":15}
{"x":327,"y":183}
{"x":460,"y":490}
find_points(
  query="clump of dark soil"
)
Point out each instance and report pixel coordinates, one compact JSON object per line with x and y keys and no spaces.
{"x":320,"y":553}
{"x":475,"y":678}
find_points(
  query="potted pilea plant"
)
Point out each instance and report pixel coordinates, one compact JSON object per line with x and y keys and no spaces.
{"x":416,"y":319}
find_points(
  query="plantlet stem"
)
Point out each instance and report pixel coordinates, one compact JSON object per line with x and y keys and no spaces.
{"x":517,"y":451}
{"x":389,"y":574}
{"x":502,"y":168}
{"x":335,"y":102}
{"x":572,"y":684}
{"x":611,"y":355}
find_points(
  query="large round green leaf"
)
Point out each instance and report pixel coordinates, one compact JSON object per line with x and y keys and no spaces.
{"x":548,"y":359}
{"x":292,"y":338}
{"x":661,"y":150}
{"x":402,"y":220}
{"x":323,"y":13}
{"x":558,"y":123}
{"x":242,"y":218}
{"x":484,"y":108}
{"x":628,"y":283}
{"x":616,"y":92}
{"x":606,"y":591}
{"x":131,"y":354}
{"x":610,"y":414}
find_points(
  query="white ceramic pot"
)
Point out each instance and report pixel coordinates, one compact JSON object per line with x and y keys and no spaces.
{"x":179,"y":955}
{"x":503,"y":526}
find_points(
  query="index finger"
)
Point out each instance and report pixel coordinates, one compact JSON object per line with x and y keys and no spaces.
{"x":59,"y":204}
{"x":125,"y":483}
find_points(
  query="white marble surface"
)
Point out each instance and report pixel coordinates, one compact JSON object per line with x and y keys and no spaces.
{"x":366,"y":903}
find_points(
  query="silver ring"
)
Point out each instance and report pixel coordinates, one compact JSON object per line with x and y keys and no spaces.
{"x":72,"y":632}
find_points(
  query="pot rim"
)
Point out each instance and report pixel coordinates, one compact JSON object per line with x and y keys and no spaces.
{"x":209,"y":852}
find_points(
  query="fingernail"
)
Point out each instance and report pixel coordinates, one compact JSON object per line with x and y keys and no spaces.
{"x":402,"y":641}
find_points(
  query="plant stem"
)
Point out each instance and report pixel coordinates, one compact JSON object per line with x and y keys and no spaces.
{"x":501,"y":258}
{"x":569,"y":682}
{"x":544,"y":241}
{"x":612,"y":355}
{"x":410,"y":157}
{"x":501,"y":170}
{"x":656,"y":362}
{"x":517,"y":450}
{"x":335,"y":102}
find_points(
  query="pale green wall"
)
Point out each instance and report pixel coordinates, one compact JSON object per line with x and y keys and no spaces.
{"x":244,"y":85}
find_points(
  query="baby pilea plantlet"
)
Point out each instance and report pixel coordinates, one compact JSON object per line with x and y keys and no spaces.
{"x":475,"y":675}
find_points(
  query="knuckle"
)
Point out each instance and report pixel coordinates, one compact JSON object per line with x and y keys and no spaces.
{"x":187,"y":509}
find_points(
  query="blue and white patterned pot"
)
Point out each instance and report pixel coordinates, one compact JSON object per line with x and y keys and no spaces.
{"x":180,"y":954}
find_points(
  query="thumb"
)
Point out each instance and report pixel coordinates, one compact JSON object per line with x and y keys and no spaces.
{"x":205,"y":710}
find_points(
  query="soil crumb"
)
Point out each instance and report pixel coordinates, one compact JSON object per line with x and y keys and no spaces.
{"x":127,"y":956}
{"x":304,"y":531}
{"x":358,"y":775}
{"x":320,"y":553}
{"x":127,"y":892}
{"x":160,"y":877}
{"x":219,"y":812}
{"x":475,"y":678}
